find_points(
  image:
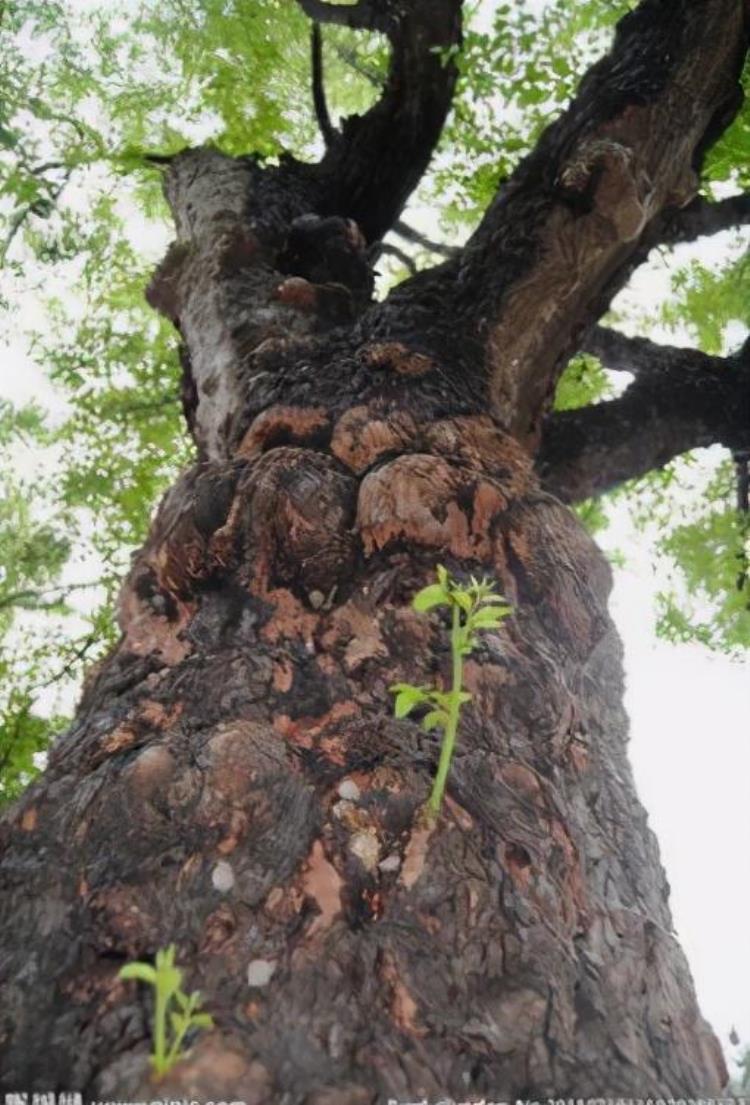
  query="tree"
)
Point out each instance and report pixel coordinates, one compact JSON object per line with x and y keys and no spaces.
{"x":234,"y":781}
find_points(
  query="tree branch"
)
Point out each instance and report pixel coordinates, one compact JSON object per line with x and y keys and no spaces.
{"x":640,"y":356}
{"x":327,"y":129}
{"x":565,"y":230}
{"x":411,"y":235}
{"x":23,"y":213}
{"x":365,"y":15}
{"x":400,"y":254}
{"x":681,"y":399}
{"x":701,"y":218}
{"x":32,"y":599}
{"x":369,"y":173}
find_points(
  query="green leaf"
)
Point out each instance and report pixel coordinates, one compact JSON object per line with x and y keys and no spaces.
{"x":442,"y":699}
{"x":489,"y":617}
{"x":462,"y":599}
{"x":429,"y":597}
{"x":433,"y":719}
{"x":407,"y":698}
{"x":165,"y":957}
{"x":143,"y":972}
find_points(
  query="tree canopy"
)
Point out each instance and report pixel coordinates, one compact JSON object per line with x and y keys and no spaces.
{"x":91,"y":111}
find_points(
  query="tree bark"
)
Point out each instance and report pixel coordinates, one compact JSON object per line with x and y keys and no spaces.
{"x":235,"y":783}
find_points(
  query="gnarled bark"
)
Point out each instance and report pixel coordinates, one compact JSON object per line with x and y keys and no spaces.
{"x":235,"y":783}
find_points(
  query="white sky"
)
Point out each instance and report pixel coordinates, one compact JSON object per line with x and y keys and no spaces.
{"x":689,"y":713}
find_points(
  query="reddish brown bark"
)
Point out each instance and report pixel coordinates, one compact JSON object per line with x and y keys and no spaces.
{"x":235,"y":783}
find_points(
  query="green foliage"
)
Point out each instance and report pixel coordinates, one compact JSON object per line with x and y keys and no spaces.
{"x":518,"y":68}
{"x":729,"y":159}
{"x":474,"y":608}
{"x":34,"y":547}
{"x":584,"y":381}
{"x":711,"y":601}
{"x":175,"y":1013}
{"x":708,"y":300}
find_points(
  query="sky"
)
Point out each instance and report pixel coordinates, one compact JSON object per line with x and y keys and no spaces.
{"x":689,"y":711}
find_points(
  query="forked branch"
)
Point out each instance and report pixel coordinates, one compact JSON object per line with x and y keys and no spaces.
{"x":565,"y":231}
{"x":681,"y":399}
{"x":369,"y":173}
{"x":701,"y":217}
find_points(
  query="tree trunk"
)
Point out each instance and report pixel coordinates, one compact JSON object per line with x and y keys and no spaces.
{"x":235,"y":782}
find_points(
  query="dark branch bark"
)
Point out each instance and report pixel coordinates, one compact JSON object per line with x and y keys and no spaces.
{"x":327,"y":129}
{"x":370,"y":173}
{"x":411,"y":235}
{"x":641,"y":356}
{"x":366,"y":15}
{"x":399,"y":254}
{"x":701,"y":218}
{"x":681,"y":399}
{"x":741,"y":459}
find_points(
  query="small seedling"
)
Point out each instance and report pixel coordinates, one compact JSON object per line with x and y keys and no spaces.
{"x":474,"y":607}
{"x":167,"y":982}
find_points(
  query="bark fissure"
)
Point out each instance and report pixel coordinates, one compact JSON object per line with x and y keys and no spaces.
{"x":234,"y":781}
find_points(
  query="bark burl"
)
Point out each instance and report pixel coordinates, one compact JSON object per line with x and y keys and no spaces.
{"x":234,"y":781}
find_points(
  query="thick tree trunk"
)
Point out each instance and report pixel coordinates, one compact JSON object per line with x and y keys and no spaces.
{"x":235,"y":782}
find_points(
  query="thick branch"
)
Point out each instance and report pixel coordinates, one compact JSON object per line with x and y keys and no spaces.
{"x":701,"y":218}
{"x":640,"y":356}
{"x":564,"y":232}
{"x":370,"y":173}
{"x":681,"y":400}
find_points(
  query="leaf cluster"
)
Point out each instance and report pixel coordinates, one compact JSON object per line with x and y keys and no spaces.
{"x":175,"y":1014}
{"x":475,"y":607}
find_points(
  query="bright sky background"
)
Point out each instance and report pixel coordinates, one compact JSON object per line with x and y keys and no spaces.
{"x":689,"y":710}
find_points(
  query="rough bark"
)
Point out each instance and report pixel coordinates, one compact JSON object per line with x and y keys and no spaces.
{"x":701,"y":218}
{"x":234,"y":781}
{"x":598,"y":191}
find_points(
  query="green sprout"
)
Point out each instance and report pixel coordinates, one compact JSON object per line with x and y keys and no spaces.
{"x":474,"y":607}
{"x":167,"y":982}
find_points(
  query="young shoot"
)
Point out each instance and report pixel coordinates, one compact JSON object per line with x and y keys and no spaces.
{"x":474,"y":607}
{"x":175,"y":1012}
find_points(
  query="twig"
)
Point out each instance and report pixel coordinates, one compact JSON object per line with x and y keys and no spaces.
{"x":17,"y":597}
{"x":394,"y":251}
{"x":411,"y":235}
{"x":327,"y":129}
